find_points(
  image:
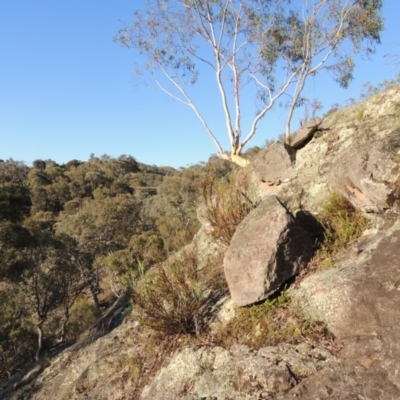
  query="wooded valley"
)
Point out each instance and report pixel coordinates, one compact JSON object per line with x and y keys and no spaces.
{"x":75,"y":237}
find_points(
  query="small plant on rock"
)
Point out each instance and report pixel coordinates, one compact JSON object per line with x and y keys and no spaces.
{"x":343,"y":225}
{"x":273,"y":321}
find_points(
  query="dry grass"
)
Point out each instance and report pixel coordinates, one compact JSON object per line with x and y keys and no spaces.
{"x":227,"y":201}
{"x":272,"y":322}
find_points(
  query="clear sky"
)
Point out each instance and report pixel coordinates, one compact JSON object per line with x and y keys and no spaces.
{"x":67,"y":90}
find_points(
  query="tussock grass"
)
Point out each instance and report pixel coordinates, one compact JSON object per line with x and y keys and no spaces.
{"x":343,"y":225}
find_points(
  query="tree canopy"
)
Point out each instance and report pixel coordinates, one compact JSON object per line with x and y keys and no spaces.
{"x":269,"y":47}
{"x":76,"y":237}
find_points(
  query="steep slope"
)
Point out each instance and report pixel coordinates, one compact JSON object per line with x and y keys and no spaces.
{"x":356,"y":153}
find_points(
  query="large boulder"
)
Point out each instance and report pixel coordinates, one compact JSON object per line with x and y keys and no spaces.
{"x":267,"y":249}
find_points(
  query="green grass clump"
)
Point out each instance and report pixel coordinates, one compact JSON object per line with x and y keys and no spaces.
{"x":360,"y":114}
{"x":343,"y":225}
{"x":272,"y":322}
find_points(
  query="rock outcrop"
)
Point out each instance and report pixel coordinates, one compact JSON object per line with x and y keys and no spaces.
{"x":267,"y":249}
{"x":358,"y":157}
{"x":354,"y":151}
{"x":360,"y":300}
{"x":237,"y":373}
{"x":368,"y":174}
{"x":271,"y":162}
{"x":305,"y":133}
{"x":99,"y":366}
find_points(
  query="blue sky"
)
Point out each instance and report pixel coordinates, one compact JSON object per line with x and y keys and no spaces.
{"x":67,"y":90}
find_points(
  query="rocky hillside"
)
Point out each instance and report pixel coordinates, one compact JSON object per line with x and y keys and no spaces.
{"x":325,"y":225}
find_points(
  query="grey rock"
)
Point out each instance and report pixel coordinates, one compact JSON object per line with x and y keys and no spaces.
{"x":205,"y":247}
{"x":267,"y":249}
{"x":87,"y":369}
{"x":237,"y":373}
{"x":359,"y":300}
{"x":201,"y":214}
{"x":363,"y":155}
{"x":304,"y":134}
{"x":342,"y":382}
{"x":271,"y":163}
{"x":367,"y":175}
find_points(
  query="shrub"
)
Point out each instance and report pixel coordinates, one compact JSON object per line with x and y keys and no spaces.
{"x":227,"y":202}
{"x":83,"y":314}
{"x":174,"y":296}
{"x":360,"y":114}
{"x":343,"y":225}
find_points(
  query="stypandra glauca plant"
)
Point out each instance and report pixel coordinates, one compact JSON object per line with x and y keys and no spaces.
{"x":173,"y":297}
{"x":227,"y":202}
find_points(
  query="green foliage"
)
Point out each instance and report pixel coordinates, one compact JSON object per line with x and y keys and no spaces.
{"x":17,"y":333}
{"x":272,"y":322}
{"x":227,"y":202}
{"x":15,"y":241}
{"x":173,"y":296}
{"x":118,"y":269}
{"x":45,"y":272}
{"x":173,"y":210}
{"x":343,"y":225}
{"x":13,"y":171}
{"x":83,"y":315}
{"x":146,"y":250}
{"x":15,"y":202}
{"x":102,"y":224}
{"x":360,"y":114}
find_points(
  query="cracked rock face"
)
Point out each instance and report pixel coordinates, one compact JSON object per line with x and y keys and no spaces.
{"x":237,"y":373}
{"x":366,"y":174}
{"x":357,"y":157}
{"x":272,"y":162}
{"x":360,"y":302}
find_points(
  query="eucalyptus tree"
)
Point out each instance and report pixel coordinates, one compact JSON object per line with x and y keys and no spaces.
{"x":17,"y":333}
{"x":269,"y":48}
{"x":103,"y":224}
{"x":52,"y":281}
